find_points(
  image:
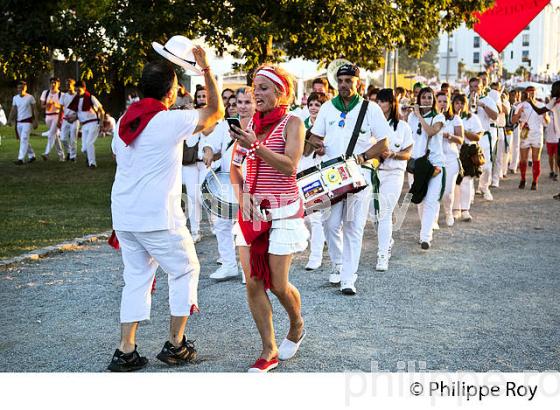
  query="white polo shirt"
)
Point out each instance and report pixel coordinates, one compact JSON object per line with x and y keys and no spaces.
{"x":472,"y":124}
{"x":336,"y":139}
{"x":451,"y":149}
{"x":435,"y":146}
{"x":24,"y":106}
{"x":146,"y":194}
{"x":399,"y":140}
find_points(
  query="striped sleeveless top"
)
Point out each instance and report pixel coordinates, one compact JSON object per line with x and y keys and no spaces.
{"x":267,"y":183}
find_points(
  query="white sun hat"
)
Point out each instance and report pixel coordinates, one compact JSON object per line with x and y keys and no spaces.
{"x":178,"y":50}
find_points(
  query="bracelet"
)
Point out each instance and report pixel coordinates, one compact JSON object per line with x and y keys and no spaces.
{"x":205,"y":69}
{"x":254,"y":147}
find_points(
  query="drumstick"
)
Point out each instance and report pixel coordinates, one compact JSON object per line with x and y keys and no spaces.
{"x":217,"y":179}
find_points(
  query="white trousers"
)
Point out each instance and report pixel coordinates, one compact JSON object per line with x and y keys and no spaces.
{"x":193,"y":177}
{"x":428,"y":209}
{"x":317,"y":240}
{"x":390,"y":187}
{"x":486,"y":177}
{"x":90,"y":131}
{"x":69,"y":137}
{"x":142,"y":253}
{"x":463,"y":194}
{"x":514,"y":150}
{"x":226,"y":248}
{"x":501,"y":158}
{"x":24,"y":131}
{"x":451,"y":173}
{"x":53,"y":138}
{"x":350,"y":214}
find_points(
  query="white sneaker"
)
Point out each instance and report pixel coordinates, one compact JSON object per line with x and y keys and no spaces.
{"x":382,"y":263}
{"x":466,"y":216}
{"x":225,"y":272}
{"x":334,"y":277}
{"x":488,"y":196}
{"x":196,"y":237}
{"x":313,"y":264}
{"x":436,"y":226}
{"x":457,"y":213}
{"x":348,"y":287}
{"x":449,"y":220}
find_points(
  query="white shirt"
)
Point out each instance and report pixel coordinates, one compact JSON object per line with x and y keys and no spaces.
{"x":24,"y":106}
{"x":91,"y":114}
{"x":484,"y":118}
{"x":399,"y":140}
{"x":52,"y":101}
{"x":435,"y":146}
{"x":555,"y":108}
{"x":220,"y":142}
{"x":531,"y":118}
{"x":374,"y":128}
{"x":451,"y":149}
{"x":146,"y":194}
{"x":65,"y":100}
{"x":473,"y":125}
{"x":551,"y":134}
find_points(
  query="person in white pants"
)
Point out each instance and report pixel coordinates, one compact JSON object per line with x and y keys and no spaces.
{"x":473,"y":131}
{"x":51,"y":103}
{"x":314,"y":220}
{"x":218,"y":147}
{"x":146,"y":209}
{"x":90,"y":112}
{"x":426,"y":125}
{"x":501,"y":144}
{"x":391,"y":174}
{"x":514,"y":100}
{"x":453,"y":136}
{"x":70,"y":123}
{"x":332,"y":132}
{"x":487,"y":110}
{"x":24,"y":114}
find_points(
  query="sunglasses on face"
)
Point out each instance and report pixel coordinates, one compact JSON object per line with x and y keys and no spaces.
{"x":342,"y":121}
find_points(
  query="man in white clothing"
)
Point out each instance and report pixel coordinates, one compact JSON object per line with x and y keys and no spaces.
{"x":332,"y":132}
{"x":51,"y":103}
{"x":70,"y":123}
{"x":24,"y":114}
{"x":146,"y":208}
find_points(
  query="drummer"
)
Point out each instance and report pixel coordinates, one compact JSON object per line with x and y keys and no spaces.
{"x":332,"y":131}
{"x":313,"y":221}
{"x":219,"y":147}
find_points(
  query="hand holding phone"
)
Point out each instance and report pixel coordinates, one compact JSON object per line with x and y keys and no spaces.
{"x":233,"y":121}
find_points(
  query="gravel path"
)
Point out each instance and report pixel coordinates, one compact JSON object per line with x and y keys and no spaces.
{"x":484,"y":298}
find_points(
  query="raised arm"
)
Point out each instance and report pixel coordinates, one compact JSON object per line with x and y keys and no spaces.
{"x":214,"y":110}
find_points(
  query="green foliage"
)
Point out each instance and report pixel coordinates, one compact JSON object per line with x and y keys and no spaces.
{"x":112,"y":38}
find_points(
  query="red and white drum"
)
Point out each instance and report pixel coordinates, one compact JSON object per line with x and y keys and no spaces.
{"x":329,"y":182}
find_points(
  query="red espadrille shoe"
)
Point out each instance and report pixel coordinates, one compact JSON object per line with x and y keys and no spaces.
{"x":263,"y":366}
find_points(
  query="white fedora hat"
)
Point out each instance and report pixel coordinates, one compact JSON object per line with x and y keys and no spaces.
{"x":178,"y":50}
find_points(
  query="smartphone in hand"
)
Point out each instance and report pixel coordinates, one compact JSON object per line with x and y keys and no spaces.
{"x":233,"y":121}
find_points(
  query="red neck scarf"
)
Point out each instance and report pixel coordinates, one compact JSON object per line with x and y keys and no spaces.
{"x":137,"y":117}
{"x":86,"y":105}
{"x":262,"y":120}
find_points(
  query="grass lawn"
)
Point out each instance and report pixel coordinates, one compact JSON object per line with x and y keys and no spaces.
{"x":47,"y":202}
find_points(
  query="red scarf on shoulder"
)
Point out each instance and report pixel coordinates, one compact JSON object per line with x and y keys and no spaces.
{"x":86,"y":105}
{"x":137,"y":117}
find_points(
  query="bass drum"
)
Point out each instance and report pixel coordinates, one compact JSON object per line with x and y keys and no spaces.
{"x":218,"y":196}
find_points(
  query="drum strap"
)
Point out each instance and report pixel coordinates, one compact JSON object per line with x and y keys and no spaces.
{"x":357,"y":127}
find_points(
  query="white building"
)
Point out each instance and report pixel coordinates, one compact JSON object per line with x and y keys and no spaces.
{"x":537,"y":47}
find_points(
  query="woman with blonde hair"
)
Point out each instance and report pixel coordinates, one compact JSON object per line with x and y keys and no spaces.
{"x":270,"y":226}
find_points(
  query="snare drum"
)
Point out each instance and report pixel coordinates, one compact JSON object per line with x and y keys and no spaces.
{"x":329,"y":182}
{"x":218,"y":196}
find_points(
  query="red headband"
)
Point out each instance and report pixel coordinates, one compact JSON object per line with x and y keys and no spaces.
{"x":279,"y":80}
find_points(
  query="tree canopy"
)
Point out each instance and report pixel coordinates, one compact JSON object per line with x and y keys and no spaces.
{"x":111,"y":39}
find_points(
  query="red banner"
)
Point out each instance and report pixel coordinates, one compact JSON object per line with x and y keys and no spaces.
{"x":500,"y":24}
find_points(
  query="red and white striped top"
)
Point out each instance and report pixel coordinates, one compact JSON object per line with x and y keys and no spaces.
{"x":271,"y":184}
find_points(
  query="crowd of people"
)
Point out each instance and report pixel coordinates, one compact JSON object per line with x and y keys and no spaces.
{"x":69,"y":116}
{"x":448,"y":145}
